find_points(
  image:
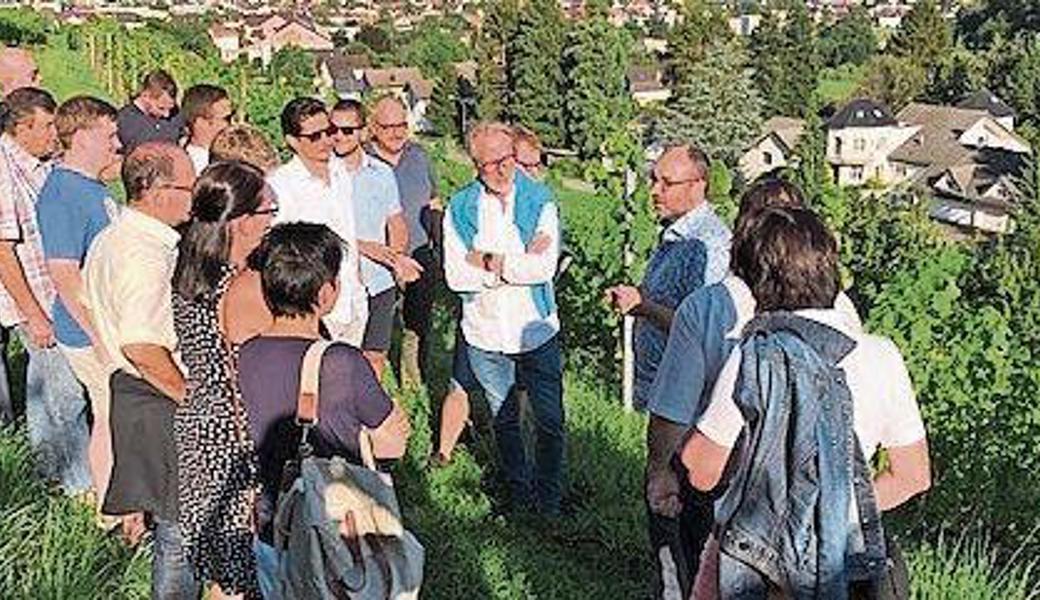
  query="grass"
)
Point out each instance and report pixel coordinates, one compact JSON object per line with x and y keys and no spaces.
{"x":64,"y":71}
{"x":837,"y":85}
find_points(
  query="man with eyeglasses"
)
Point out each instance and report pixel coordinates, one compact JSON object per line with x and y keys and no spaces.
{"x":693,"y":251}
{"x":207,"y":112}
{"x":501,"y":242}
{"x":315,"y":187}
{"x":127,"y":283}
{"x":152,"y":115}
{"x":417,"y":188}
{"x":528,"y":150}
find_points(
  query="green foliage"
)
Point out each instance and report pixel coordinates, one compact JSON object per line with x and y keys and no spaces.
{"x":785,"y":60}
{"x":838,"y":84}
{"x":718,"y":107}
{"x":812,"y":174}
{"x":293,"y":68}
{"x":22,"y":27}
{"x":597,"y":101}
{"x":850,"y":39}
{"x":432,"y":47}
{"x":894,"y":81}
{"x":701,"y":28}
{"x":492,"y":50}
{"x":1020,"y":81}
{"x":536,"y":71}
{"x":924,"y":36}
{"x":959,"y":73}
{"x":969,"y":567}
{"x":378,"y":37}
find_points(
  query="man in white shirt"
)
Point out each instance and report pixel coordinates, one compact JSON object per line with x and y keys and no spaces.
{"x":501,"y":243}
{"x":315,"y":187}
{"x":207,"y":111}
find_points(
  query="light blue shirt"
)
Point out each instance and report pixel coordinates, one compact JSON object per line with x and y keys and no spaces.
{"x":704,"y":225}
{"x":375,"y":199}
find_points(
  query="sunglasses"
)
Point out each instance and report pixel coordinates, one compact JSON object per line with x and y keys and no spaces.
{"x":316,"y":136}
{"x":346,"y":129}
{"x":273,"y":210}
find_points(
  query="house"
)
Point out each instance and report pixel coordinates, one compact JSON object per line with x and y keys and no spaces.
{"x":774,"y":149}
{"x":260,"y":36}
{"x":406,"y":83}
{"x":646,"y":85}
{"x":989,"y":102}
{"x":226,"y":40}
{"x":342,"y":73}
{"x":860,"y":138}
{"x":966,"y":160}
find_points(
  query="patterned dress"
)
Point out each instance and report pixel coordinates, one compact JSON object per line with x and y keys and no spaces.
{"x":217,"y":470}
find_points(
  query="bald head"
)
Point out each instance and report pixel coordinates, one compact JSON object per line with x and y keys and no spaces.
{"x":17,"y":70}
{"x":158,"y":177}
{"x":389,"y":126}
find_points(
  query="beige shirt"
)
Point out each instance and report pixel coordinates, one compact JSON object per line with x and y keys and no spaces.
{"x":127,"y":283}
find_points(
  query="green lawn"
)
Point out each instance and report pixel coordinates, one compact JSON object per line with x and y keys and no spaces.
{"x":838,"y":85}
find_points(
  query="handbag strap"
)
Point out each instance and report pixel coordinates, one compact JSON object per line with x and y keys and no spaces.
{"x":307,"y":403}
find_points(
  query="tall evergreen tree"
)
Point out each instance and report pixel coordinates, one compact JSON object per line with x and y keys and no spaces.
{"x":492,"y":50}
{"x":924,"y":35}
{"x":595,"y":62}
{"x":850,"y":39}
{"x":702,"y":25}
{"x":536,"y":70}
{"x":813,"y":175}
{"x":718,"y":106}
{"x":785,"y":60}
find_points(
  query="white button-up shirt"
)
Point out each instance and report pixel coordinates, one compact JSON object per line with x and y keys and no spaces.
{"x":304,"y":197}
{"x":502,"y":315}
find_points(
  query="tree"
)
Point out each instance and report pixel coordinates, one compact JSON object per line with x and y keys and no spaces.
{"x":924,"y":36}
{"x":717,"y":108}
{"x":702,"y":25}
{"x":893,"y":81}
{"x":813,"y":175}
{"x":536,"y":71}
{"x":597,"y":100}
{"x":960,"y":73}
{"x":785,"y":61}
{"x":849,"y":40}
{"x":22,"y":27}
{"x":432,"y":47}
{"x":378,"y":37}
{"x":293,"y":68}
{"x":1020,"y":86}
{"x":492,"y":52}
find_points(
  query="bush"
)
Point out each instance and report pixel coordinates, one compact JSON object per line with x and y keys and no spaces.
{"x":969,"y":568}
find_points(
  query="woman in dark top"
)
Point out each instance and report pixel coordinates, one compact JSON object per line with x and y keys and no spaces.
{"x":299,"y":269}
{"x":232,"y":207}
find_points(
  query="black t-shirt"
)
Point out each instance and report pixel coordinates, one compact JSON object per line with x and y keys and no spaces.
{"x":269,"y":378}
{"x":135,"y":127}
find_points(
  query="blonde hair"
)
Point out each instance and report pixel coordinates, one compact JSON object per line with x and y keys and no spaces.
{"x":523,"y":134}
{"x":80,"y":112}
{"x":246,"y":144}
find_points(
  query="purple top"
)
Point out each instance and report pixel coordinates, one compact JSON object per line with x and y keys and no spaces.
{"x":269,"y":378}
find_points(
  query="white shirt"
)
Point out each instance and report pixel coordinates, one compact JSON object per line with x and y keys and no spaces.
{"x":303,"y":197}
{"x":199,"y":157}
{"x":884,"y":409}
{"x":127,"y":281}
{"x":502,"y":316}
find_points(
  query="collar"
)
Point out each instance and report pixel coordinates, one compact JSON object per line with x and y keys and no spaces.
{"x":370,"y":150}
{"x":20,"y":155}
{"x":487,"y":196}
{"x":687,"y":225}
{"x":298,"y":170}
{"x":368,"y":161}
{"x":151,"y":226}
{"x":824,"y":330}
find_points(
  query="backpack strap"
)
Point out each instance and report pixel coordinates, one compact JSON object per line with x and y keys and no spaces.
{"x":307,"y":398}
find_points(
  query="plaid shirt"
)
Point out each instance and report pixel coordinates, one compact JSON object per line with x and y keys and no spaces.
{"x":21,"y":178}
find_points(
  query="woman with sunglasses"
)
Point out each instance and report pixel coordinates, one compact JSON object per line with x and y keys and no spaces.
{"x":232,"y":208}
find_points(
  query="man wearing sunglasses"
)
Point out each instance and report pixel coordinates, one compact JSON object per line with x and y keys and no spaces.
{"x":381,"y":230}
{"x":693,"y":251}
{"x":417,"y":187}
{"x":501,"y":243}
{"x":207,"y":112}
{"x":315,"y":187}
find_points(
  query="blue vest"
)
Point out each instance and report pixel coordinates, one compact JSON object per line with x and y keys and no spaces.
{"x":531,"y":196}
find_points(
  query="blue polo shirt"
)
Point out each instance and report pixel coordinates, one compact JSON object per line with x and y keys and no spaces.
{"x":375,"y":199}
{"x":416,"y":184}
{"x":71,"y":211}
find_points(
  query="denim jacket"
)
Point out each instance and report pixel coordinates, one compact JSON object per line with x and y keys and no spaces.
{"x":784,"y":519}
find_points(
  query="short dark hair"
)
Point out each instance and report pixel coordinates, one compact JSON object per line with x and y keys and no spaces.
{"x":350,"y":105}
{"x":764,"y":193}
{"x":299,"y":110}
{"x":159,"y":81}
{"x":81,"y":112}
{"x":789,"y":260}
{"x":146,"y":166}
{"x":22,"y":104}
{"x":295,"y":260}
{"x":199,"y":99}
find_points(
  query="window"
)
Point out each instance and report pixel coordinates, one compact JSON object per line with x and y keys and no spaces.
{"x":767,"y":158}
{"x":856,"y":174}
{"x":859,"y":145}
{"x":837,"y":146}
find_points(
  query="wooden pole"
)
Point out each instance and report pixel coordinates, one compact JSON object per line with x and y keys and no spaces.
{"x":628,"y":362}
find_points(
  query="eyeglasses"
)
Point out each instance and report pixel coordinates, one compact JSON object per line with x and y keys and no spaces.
{"x":497,"y":163}
{"x":530,"y":165}
{"x":272,"y":210}
{"x":400,"y":125}
{"x":316,"y":136}
{"x":654,"y":178}
{"x":180,"y":188}
{"x":346,"y":129}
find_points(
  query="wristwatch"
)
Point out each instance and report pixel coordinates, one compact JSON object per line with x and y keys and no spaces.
{"x":485,"y":260}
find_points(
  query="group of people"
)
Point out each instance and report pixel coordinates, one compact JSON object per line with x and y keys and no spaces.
{"x":165,"y":338}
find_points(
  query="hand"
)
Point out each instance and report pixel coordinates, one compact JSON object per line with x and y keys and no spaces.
{"x":40,"y":330}
{"x":626,"y":299}
{"x":539,"y":244}
{"x":406,"y":269}
{"x":380,"y":253}
{"x":662,"y":492}
{"x":436,"y":204}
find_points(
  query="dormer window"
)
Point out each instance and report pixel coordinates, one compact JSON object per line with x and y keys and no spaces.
{"x":767,"y":158}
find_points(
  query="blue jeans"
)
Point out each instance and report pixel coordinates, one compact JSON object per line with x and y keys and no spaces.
{"x":56,"y":416}
{"x":541,"y":371}
{"x":173,"y":577}
{"x":267,"y":559}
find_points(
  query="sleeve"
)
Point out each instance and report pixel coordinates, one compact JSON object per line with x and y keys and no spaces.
{"x":532,"y":269}
{"x":358,"y":396}
{"x":459,"y":274}
{"x":392,"y":199}
{"x":10,"y":228}
{"x":145,"y":311}
{"x":722,"y":421}
{"x":679,"y":384}
{"x":903,"y":425}
{"x":61,"y":229}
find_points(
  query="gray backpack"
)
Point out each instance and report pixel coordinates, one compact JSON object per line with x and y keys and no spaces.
{"x":338,"y":525}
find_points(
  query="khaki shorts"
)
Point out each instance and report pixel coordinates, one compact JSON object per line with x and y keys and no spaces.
{"x":93,"y":375}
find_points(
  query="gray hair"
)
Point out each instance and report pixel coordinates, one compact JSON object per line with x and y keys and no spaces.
{"x":483,"y":128}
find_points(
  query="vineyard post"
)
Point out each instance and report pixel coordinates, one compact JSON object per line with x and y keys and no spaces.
{"x":628,"y":363}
